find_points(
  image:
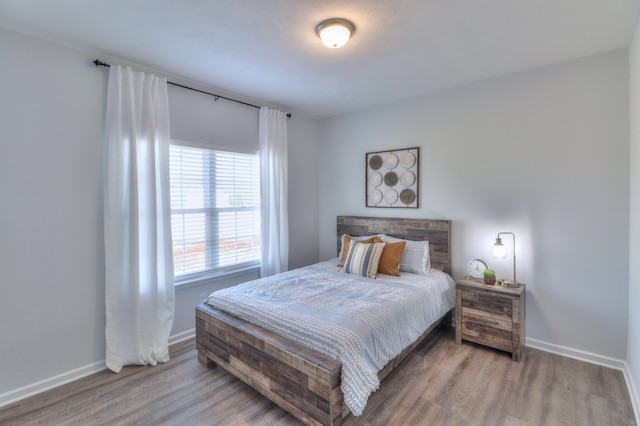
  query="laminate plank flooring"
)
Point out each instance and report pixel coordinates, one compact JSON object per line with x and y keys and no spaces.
{"x":441,"y":383}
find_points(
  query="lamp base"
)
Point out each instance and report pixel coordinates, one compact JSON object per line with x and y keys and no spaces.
{"x":508,"y":283}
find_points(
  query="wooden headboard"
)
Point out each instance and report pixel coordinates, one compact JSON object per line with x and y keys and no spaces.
{"x":436,"y":231}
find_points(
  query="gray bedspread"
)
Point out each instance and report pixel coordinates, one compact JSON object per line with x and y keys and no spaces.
{"x":361,"y":322}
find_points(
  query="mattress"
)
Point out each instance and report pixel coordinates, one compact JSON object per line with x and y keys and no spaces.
{"x":364,"y":323}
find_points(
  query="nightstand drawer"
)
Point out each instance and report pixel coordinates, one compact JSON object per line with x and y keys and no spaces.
{"x":487,"y":319}
{"x":487,"y":302}
{"x":488,"y":336}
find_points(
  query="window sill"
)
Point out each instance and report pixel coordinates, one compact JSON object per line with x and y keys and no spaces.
{"x":194,"y":281}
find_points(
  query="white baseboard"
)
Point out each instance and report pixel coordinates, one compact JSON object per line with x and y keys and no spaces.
{"x":578,"y":354}
{"x":633,"y":391}
{"x":64,"y":378}
{"x":181,"y":337}
{"x":50,"y":383}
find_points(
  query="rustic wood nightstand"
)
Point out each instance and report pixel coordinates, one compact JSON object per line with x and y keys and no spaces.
{"x":491,"y":315}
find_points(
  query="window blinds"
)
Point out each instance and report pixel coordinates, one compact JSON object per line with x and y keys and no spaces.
{"x":215,"y":209}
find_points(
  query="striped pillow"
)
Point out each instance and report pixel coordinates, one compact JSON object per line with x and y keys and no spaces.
{"x":345,"y":249}
{"x":346,"y":243}
{"x":363,"y":259}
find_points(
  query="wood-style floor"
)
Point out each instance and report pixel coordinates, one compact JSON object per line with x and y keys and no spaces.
{"x":441,"y":383}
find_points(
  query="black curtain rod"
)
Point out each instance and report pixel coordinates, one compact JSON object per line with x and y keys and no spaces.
{"x":99,"y":63}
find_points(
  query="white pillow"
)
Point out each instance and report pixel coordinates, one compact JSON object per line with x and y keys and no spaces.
{"x":415,"y":257}
{"x":362,"y":259}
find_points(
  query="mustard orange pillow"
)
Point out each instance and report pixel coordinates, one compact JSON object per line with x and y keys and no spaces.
{"x":347,"y":242}
{"x":391,"y":255}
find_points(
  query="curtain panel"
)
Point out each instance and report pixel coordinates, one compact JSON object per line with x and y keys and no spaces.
{"x":138,"y":255}
{"x":272,"y":140}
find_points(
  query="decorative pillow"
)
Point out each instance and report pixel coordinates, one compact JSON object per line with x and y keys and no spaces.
{"x":362,"y":259}
{"x":415,"y":257}
{"x":346,"y":242}
{"x":391,"y":257}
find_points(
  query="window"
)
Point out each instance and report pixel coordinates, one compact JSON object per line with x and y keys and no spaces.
{"x":215,"y":211}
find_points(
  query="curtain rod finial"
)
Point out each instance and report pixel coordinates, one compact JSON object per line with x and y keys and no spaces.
{"x":99,"y":63}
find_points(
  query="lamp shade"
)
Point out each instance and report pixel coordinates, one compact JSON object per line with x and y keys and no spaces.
{"x":499,"y":251}
{"x":335,"y":33}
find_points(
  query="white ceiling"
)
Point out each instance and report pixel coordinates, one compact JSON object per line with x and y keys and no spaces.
{"x":268,"y":50}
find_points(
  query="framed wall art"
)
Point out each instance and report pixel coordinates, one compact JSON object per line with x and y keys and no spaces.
{"x":392,"y":178}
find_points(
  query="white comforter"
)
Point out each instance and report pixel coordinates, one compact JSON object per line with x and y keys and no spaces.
{"x":361,"y":322}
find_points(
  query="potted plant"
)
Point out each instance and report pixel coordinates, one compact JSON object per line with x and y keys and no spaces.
{"x":489,"y":276}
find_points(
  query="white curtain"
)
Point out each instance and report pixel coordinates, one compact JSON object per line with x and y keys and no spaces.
{"x":138,"y":253}
{"x":272,"y":138}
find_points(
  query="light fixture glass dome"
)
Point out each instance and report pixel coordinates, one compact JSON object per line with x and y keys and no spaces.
{"x":499,"y":251}
{"x":335,"y":33}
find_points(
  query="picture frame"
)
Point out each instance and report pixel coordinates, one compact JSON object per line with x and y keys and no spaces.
{"x":392,"y":178}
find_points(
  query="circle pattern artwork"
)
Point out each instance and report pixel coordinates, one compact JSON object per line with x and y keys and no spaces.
{"x":390,"y":196}
{"x":375,"y":196}
{"x":407,"y":160}
{"x":375,"y":179}
{"x":407,"y":196}
{"x":392,"y":178}
{"x":391,"y":161}
{"x":375,"y":162}
{"x":407,"y":178}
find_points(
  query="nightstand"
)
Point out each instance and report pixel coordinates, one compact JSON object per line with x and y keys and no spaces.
{"x":491,"y":315}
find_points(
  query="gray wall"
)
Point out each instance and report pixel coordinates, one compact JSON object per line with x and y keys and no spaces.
{"x":543,"y":154}
{"x":52,"y":108}
{"x":51,"y":247}
{"x":633,"y":351}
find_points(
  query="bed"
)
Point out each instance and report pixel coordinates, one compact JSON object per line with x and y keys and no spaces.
{"x":303,"y":381}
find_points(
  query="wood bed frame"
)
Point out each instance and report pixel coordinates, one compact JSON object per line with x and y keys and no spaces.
{"x":302,"y":381}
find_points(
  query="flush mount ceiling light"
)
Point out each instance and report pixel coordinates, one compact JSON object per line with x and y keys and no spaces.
{"x":335,"y":32}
